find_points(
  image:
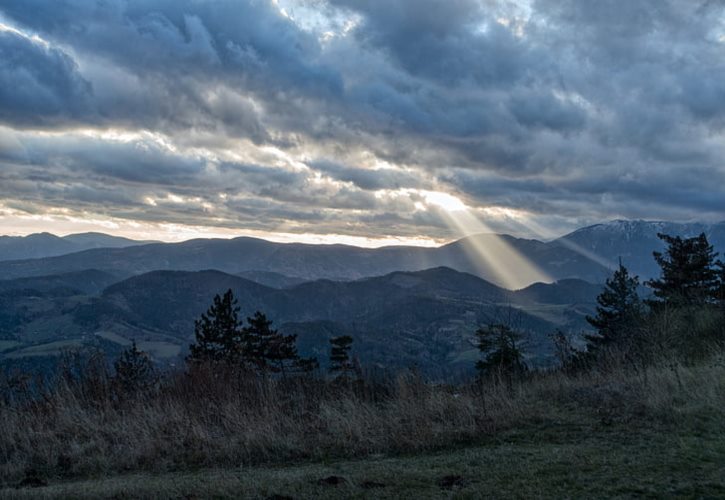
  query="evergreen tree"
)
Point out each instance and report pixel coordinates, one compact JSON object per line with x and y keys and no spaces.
{"x":134,"y":370}
{"x":720,"y":290}
{"x":219,"y":336}
{"x":269,"y":351}
{"x":688,"y":273}
{"x":619,"y":310}
{"x":502,"y":356}
{"x":340,"y":361}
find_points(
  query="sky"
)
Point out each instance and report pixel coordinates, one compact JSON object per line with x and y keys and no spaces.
{"x":359,"y":121}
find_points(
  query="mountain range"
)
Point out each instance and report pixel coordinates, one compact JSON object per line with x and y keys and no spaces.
{"x":40,"y":245}
{"x":403,"y":305}
{"x":308,"y":262}
{"x":634,"y":241}
{"x":588,"y":254}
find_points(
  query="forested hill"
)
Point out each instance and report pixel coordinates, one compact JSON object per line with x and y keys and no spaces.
{"x":426,"y":318}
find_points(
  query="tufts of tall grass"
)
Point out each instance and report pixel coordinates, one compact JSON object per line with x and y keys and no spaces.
{"x":215,"y":416}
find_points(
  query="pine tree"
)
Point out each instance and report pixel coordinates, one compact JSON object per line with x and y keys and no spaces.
{"x":134,"y":370}
{"x":219,"y":335}
{"x":720,"y":290}
{"x":688,"y":273}
{"x":259,"y":338}
{"x":619,"y":310}
{"x":269,"y":351}
{"x":340,"y":361}
{"x":499,"y":345}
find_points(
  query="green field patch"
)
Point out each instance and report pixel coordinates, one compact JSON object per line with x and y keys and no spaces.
{"x":6,"y":345}
{"x":50,"y":328}
{"x":113,"y":337}
{"x":552,"y":313}
{"x":160,"y":350}
{"x":468,"y":356}
{"x":50,"y":349}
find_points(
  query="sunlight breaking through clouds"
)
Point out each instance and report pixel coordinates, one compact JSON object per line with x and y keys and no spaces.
{"x":363,"y":119}
{"x":489,"y":252}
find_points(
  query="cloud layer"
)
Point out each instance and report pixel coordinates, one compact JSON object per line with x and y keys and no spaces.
{"x":336,"y":117}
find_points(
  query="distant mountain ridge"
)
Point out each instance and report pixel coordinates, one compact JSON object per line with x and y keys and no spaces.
{"x":304,"y":261}
{"x":588,"y":254}
{"x":635,"y":240}
{"x":41,"y":245}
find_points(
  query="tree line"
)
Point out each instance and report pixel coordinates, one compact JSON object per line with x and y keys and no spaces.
{"x":223,"y":340}
{"x":689,"y":296}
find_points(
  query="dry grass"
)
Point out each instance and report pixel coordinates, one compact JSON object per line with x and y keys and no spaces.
{"x":566,"y":462}
{"x":212,"y":419}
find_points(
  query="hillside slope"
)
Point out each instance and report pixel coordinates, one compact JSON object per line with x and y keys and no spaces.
{"x":426,"y":318}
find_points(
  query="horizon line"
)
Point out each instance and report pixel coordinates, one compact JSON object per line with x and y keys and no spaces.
{"x":329,"y":239}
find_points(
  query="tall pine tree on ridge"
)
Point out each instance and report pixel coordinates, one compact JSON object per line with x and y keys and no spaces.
{"x":218,"y":333}
{"x":619,"y":311}
{"x":688,"y":273}
{"x":221,"y":337}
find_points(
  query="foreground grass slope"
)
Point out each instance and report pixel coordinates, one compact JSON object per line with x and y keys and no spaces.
{"x":655,"y":432}
{"x":583,"y":459}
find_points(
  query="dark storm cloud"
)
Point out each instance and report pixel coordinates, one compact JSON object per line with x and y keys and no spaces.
{"x":176,"y":63}
{"x":134,"y":161}
{"x":534,"y":109}
{"x":180,"y":37}
{"x":449,"y":41}
{"x":39,"y":85}
{"x":617,"y":193}
{"x":556,"y":107}
{"x":183,"y":51}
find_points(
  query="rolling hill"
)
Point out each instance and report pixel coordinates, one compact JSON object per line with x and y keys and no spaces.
{"x":424,"y":318}
{"x":89,"y":281}
{"x":40,"y":245}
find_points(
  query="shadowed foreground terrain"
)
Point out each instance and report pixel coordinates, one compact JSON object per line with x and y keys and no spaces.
{"x":582,"y":460}
{"x":560,"y":463}
{"x":656,"y":432}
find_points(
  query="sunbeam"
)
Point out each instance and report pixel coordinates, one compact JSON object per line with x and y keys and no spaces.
{"x":588,"y":254}
{"x":491,"y":254}
{"x":542,"y":234}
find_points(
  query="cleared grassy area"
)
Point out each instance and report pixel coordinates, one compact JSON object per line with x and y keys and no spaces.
{"x":113,"y":337}
{"x":160,"y":350}
{"x":554,"y":459}
{"x":6,"y":345}
{"x":619,"y":430}
{"x":48,"y":349}
{"x":157,"y":349}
